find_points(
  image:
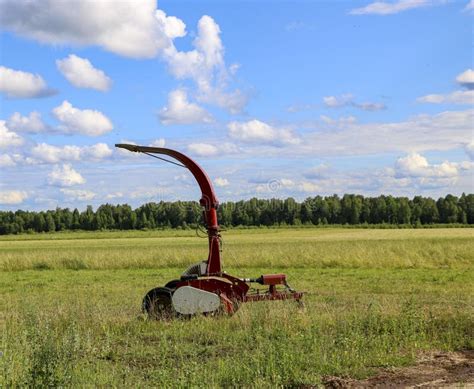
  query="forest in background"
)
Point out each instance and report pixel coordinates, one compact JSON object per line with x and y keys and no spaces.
{"x":330,"y":210}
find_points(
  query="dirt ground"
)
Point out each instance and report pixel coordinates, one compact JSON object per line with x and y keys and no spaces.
{"x":434,"y":369}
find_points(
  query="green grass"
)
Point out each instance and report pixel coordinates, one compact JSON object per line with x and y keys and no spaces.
{"x":70,"y":307}
{"x":288,"y":248}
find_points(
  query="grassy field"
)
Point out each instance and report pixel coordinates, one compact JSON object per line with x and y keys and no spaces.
{"x":70,"y":307}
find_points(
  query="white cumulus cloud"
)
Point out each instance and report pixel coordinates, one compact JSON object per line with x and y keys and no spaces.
{"x":82,"y":74}
{"x":87,"y":122}
{"x":127,"y":27}
{"x":12,"y":197}
{"x":203,"y":149}
{"x":180,"y":111}
{"x":422,"y":174}
{"x":221,"y":182}
{"x":207,"y":55}
{"x":114,"y":195}
{"x":16,"y":84}
{"x":53,"y":154}
{"x":338,"y":101}
{"x":388,"y":8}
{"x":466,"y":79}
{"x":457,"y":97}
{"x":131,"y":28}
{"x":256,"y":131}
{"x":443,"y":131}
{"x":158,"y":143}
{"x":171,"y":25}
{"x":205,"y":65}
{"x":286,"y":185}
{"x":348,"y":100}
{"x":309,"y":187}
{"x":65,"y":175}
{"x":211,"y":150}
{"x":415,"y":165}
{"x":8,"y":138}
{"x":96,"y":152}
{"x":6,"y":160}
{"x":32,"y":123}
{"x":78,"y":194}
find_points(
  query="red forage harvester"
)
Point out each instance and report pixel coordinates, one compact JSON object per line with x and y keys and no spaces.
{"x":204,"y":288}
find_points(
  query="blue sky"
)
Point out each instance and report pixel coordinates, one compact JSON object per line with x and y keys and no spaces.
{"x":274,"y":99}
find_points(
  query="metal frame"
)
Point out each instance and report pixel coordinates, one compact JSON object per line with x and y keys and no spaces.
{"x":232,"y":290}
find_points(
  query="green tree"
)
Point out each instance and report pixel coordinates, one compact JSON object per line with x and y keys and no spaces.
{"x":429,"y":211}
{"x":39,"y":224}
{"x":50,"y":226}
{"x":76,"y":222}
{"x":404,"y":211}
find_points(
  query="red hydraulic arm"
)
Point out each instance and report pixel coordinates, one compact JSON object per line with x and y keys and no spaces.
{"x":208,"y":199}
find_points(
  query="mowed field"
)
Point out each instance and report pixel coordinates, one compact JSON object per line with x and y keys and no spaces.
{"x":70,"y":307}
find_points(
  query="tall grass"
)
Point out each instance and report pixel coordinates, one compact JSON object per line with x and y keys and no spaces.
{"x":263,"y":345}
{"x":258,"y":248}
{"x":70,"y":308}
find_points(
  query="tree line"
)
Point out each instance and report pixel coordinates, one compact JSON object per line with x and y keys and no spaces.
{"x":330,"y":210}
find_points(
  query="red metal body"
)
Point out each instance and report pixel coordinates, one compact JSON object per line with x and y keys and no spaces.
{"x":232,"y":290}
{"x":274,"y":279}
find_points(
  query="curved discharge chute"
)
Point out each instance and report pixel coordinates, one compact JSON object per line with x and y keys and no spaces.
{"x":208,"y":198}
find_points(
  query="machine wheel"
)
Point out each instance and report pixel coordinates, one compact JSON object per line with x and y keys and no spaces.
{"x":157,"y":304}
{"x":172,"y":284}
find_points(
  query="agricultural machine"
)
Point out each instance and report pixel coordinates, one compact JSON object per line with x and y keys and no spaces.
{"x":204,"y":287}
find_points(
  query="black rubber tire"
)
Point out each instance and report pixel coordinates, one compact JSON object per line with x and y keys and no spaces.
{"x":157,"y":304}
{"x":172,"y":284}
